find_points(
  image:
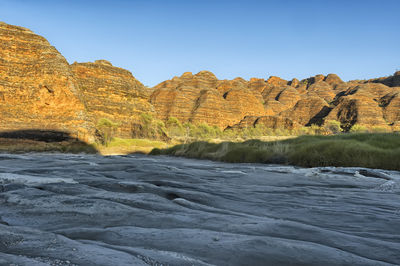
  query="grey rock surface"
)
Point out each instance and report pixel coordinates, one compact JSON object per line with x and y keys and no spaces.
{"x":58,"y":209}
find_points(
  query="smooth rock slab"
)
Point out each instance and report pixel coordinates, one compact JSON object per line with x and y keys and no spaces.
{"x":58,"y":209}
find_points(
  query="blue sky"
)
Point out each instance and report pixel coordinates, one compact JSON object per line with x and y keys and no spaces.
{"x":157,"y":40}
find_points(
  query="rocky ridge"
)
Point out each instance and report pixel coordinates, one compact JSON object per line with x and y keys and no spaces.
{"x":40,"y":90}
{"x":278,"y":103}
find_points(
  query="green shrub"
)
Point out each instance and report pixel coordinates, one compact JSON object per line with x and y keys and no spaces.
{"x":173,"y":122}
{"x":105,"y":130}
{"x":203,"y":131}
{"x":150,"y":128}
{"x":146,"y":118}
{"x":332,"y":127}
{"x":175,"y":128}
{"x":356,"y":128}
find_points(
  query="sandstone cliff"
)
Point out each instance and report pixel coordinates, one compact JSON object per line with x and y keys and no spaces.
{"x":40,"y":90}
{"x":202,"y":98}
{"x":113,"y":93}
{"x":278,"y":103}
{"x":37,"y":86}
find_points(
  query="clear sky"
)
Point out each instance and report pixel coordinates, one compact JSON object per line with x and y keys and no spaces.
{"x":159,"y":39}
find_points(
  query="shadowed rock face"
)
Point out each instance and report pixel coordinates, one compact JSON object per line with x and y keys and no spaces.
{"x":111,"y":92}
{"x":391,"y":81}
{"x":23,"y":141}
{"x":267,"y":122}
{"x":38,"y":135}
{"x":392,"y":109}
{"x":37,"y":87}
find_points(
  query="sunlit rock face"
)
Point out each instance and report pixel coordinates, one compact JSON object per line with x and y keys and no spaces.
{"x":282,"y":104}
{"x":113,"y":93}
{"x":37,"y":86}
{"x":40,"y":90}
{"x":202,"y":98}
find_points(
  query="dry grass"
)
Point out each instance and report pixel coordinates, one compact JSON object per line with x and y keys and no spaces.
{"x":372,"y":150}
{"x":119,"y":146}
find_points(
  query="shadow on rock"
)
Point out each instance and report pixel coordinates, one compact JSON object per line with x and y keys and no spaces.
{"x":36,"y":140}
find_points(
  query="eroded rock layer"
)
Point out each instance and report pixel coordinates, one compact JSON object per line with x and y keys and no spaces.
{"x":113,"y":93}
{"x":40,"y":90}
{"x":202,"y":98}
{"x":37,"y":86}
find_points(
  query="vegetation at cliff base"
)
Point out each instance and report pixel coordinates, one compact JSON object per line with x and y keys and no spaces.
{"x":249,"y":144}
{"x":372,"y":150}
{"x":127,"y":146}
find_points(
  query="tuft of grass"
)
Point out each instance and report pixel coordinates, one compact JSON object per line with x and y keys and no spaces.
{"x":371,"y":150}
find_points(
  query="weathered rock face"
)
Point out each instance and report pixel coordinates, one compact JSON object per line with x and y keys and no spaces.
{"x":239,"y":103}
{"x":272,"y":122}
{"x":113,"y":93}
{"x":40,"y":90}
{"x":369,"y":104}
{"x":391,"y":111}
{"x":322,"y":90}
{"x":308,"y":111}
{"x":333,"y":79}
{"x":37,"y":87}
{"x":361,"y":110}
{"x":391,"y":81}
{"x":202,"y":98}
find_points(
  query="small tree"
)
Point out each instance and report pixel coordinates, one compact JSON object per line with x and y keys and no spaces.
{"x":149,"y":127}
{"x":174,"y":127}
{"x":105,"y":130}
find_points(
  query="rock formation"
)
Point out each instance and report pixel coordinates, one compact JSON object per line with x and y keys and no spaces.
{"x":273,"y":122}
{"x":113,"y":93}
{"x":279,"y":103}
{"x":202,"y":98}
{"x":40,"y":90}
{"x":391,"y":81}
{"x":37,"y":86}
